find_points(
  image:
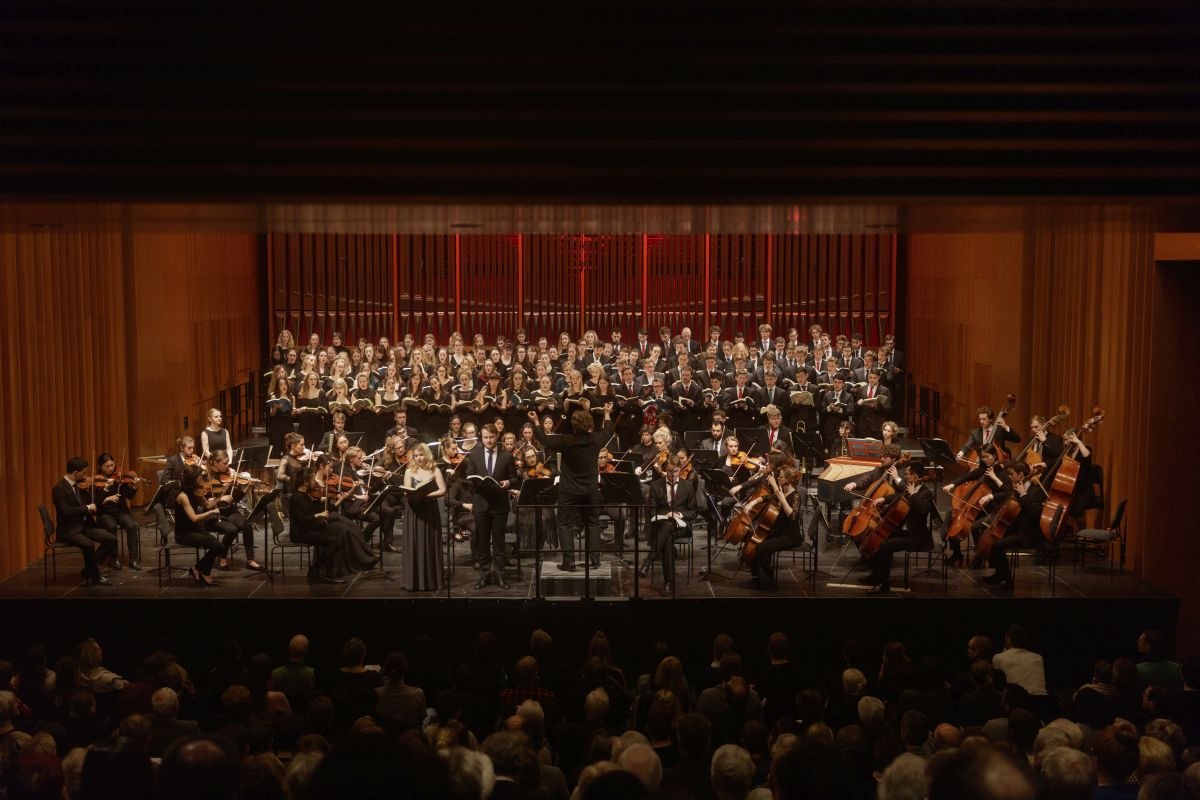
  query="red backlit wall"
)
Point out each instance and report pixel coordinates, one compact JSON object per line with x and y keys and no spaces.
{"x":389,"y":285}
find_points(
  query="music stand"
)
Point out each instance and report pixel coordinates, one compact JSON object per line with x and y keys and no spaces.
{"x":939,"y":451}
{"x":622,"y":463}
{"x":252,"y":457}
{"x":756,"y":437}
{"x":260,"y":509}
{"x":165,"y":490}
{"x":538,"y":493}
{"x":692,"y":439}
{"x":623,"y":489}
{"x":704,"y":459}
{"x":810,"y":447}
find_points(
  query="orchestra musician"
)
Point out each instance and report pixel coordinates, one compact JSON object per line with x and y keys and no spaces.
{"x":185,"y":455}
{"x":915,"y":534}
{"x":579,"y":482}
{"x":192,"y":518}
{"x":991,"y":430}
{"x":230,"y":522}
{"x":390,"y":472}
{"x":491,"y":503}
{"x":312,"y":523}
{"x":75,"y":522}
{"x":888,"y":456}
{"x":1025,"y":532}
{"x":215,"y":436}
{"x":988,"y":470}
{"x":674,"y":509}
{"x":357,"y":506}
{"x":531,"y":467}
{"x":783,"y":478}
{"x":1046,"y":444}
{"x":114,"y":512}
{"x":291,"y":464}
{"x":716,"y":436}
{"x":339,"y":429}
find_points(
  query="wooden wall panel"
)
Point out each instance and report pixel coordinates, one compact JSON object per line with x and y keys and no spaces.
{"x":196,"y":330}
{"x":613,"y":287}
{"x":425,"y":287}
{"x":675,"y":287}
{"x":120,"y":337}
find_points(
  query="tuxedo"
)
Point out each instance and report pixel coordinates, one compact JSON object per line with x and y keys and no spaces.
{"x":491,"y":505}
{"x":681,"y":498}
{"x":74,"y":525}
{"x":174,"y":468}
{"x":999,"y":438}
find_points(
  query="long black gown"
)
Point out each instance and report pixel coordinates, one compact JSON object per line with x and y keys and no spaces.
{"x":421,"y":559}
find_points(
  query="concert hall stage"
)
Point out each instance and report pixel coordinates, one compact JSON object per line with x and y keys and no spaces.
{"x":1082,"y":615}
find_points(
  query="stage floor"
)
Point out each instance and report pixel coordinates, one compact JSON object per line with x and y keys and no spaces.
{"x":614,"y":582}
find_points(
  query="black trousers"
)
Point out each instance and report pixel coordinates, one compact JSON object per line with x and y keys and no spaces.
{"x":775,"y":543}
{"x":206,"y":541}
{"x":389,"y":511}
{"x":579,"y":512}
{"x":881,"y":563}
{"x":326,"y":544}
{"x":662,"y":544}
{"x":86,"y":540}
{"x":488,"y":542}
{"x":113,"y":521}
{"x":998,"y":558}
{"x":228,"y":528}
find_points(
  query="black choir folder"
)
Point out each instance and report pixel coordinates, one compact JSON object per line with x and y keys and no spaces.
{"x":417,"y":493}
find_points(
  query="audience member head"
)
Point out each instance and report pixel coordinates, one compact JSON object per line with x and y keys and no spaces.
{"x":117,"y":768}
{"x":722,"y":644}
{"x":471,"y":775}
{"x":904,"y":779}
{"x":354,"y":652}
{"x":34,"y":776}
{"x":811,"y":769}
{"x":1023,"y":728}
{"x":1047,"y":739}
{"x":198,"y":767}
{"x":983,"y":774}
{"x":871,"y":713}
{"x":165,"y":703}
{"x":1169,"y":786}
{"x":810,"y":705}
{"x":854,"y":683}
{"x":1068,"y":774}
{"x":1154,"y":756}
{"x":1072,"y":730}
{"x":693,"y":734}
{"x":298,"y":647}
{"x":946,"y":737}
{"x":372,"y":766}
{"x":299,"y":771}
{"x":914,"y":729}
{"x":262,"y":778}
{"x":642,"y":761}
{"x":777,"y":646}
{"x":731,"y":772}
{"x":610,"y":783}
{"x":1017,"y":636}
{"x":1115,"y":750}
{"x":72,"y":767}
{"x":506,"y":750}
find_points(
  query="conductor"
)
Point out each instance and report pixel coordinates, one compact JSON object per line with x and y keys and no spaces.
{"x":579,"y":483}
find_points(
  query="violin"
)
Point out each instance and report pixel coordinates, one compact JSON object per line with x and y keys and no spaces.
{"x":538,"y":470}
{"x":743,"y":459}
{"x":455,"y":459}
{"x":686,"y":470}
{"x":1057,"y":508}
{"x":192,"y":460}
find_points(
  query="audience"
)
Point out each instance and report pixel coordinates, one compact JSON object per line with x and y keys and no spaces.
{"x":286,"y":729}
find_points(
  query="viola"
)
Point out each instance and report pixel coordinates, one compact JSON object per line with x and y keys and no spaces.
{"x":1057,"y":508}
{"x":866,"y":517}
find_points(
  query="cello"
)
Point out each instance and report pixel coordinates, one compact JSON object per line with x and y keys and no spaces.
{"x":753,"y":522}
{"x":965,"y":506}
{"x":1061,"y":491}
{"x":866,"y":518}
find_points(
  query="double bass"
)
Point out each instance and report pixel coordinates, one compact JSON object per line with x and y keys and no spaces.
{"x":1002,"y":454}
{"x":1030,"y":456}
{"x":865,"y":524}
{"x":1061,"y":490}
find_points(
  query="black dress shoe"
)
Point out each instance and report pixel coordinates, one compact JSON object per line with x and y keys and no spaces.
{"x":100,"y":580}
{"x":567,"y":566}
{"x":644,"y":569}
{"x":594,"y":561}
{"x":135,"y":566}
{"x":881,"y":588}
{"x":331,"y":579}
{"x":482,"y":582}
{"x":116,"y":565}
{"x":391,"y":548}
{"x":503,"y":584}
{"x":666,"y":589}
